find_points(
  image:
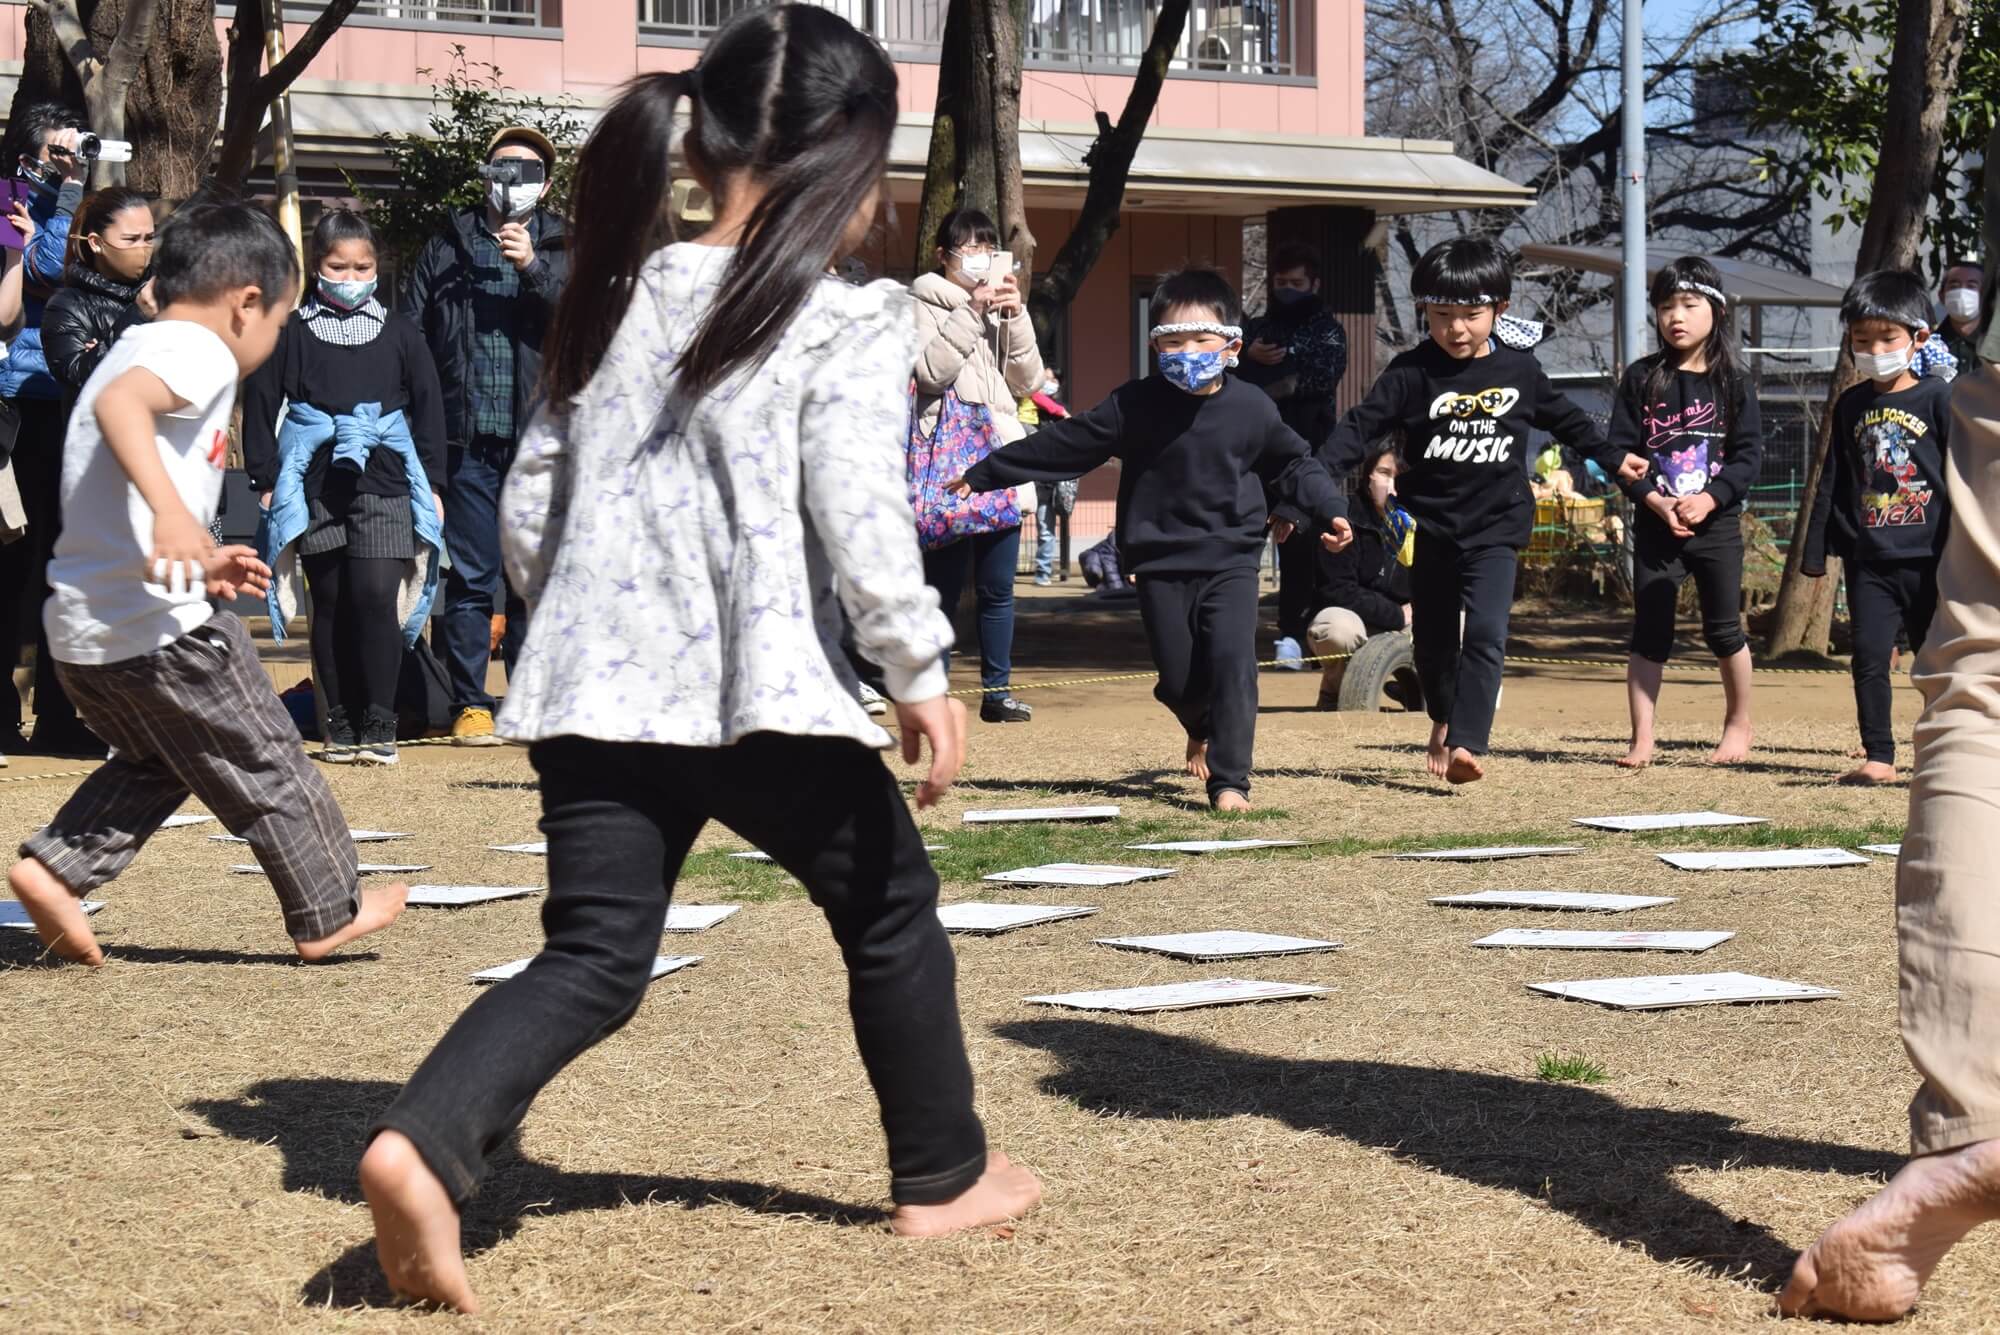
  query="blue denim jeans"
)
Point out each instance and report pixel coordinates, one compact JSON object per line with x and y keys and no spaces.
{"x":1046,"y":520}
{"x":991,"y":557}
{"x":475,"y":587}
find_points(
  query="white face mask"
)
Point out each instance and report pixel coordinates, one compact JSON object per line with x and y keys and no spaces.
{"x":975,"y":266}
{"x":1962,"y":303}
{"x":1883,"y":365}
{"x":514,"y":201}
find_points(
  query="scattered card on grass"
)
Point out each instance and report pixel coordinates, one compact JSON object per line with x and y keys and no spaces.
{"x":457,"y":896}
{"x":1886,"y":850}
{"x":1677,"y":820}
{"x":1180,"y":996}
{"x":1487,"y":854}
{"x":1078,"y":873}
{"x":182,"y":820}
{"x":1216,"y":845}
{"x":364,"y":868}
{"x":1533,"y":938}
{"x":358,"y":836}
{"x":758,"y":855}
{"x":1553,"y":899}
{"x":1203,"y":946}
{"x":662,"y":966}
{"x":698,"y":917}
{"x":1772,"y":859}
{"x":1665,"y":991}
{"x":992,"y":919}
{"x":13,"y":913}
{"x":1040,"y":813}
{"x":539,"y":848}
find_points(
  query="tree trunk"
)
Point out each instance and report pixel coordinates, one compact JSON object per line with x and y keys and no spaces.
{"x":1923,"y":73}
{"x":252,"y":91}
{"x":944,"y":169}
{"x":1007,"y":35}
{"x":1110,"y":162}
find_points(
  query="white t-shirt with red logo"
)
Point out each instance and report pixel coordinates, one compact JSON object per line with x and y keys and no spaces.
{"x":106,"y":606}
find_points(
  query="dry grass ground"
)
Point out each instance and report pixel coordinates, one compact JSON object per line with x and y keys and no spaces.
{"x":181,"y":1128}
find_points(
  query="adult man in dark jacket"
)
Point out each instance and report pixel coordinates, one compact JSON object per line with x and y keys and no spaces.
{"x":484,"y":291}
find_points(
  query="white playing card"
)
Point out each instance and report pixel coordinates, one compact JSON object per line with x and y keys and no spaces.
{"x":1179,"y":996}
{"x":1553,"y":899}
{"x":457,"y":896}
{"x":662,"y":966}
{"x":1204,"y":946}
{"x":13,"y":913}
{"x":1886,"y":850}
{"x":1677,"y":820}
{"x":1078,"y":873}
{"x":1216,"y":845}
{"x":539,"y":848}
{"x":1532,"y":938}
{"x":1767,"y":859}
{"x":1665,"y":991}
{"x":358,"y":836}
{"x":1040,"y":813}
{"x":698,"y":917}
{"x":181,"y":820}
{"x":991,"y":919}
{"x":1487,"y":854}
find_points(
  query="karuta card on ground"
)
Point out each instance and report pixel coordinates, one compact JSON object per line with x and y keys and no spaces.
{"x":1223,"y":945}
{"x":1533,"y":938}
{"x":662,"y":966}
{"x":1007,"y":815}
{"x":976,"y":919}
{"x":13,"y":913}
{"x":1772,"y":859}
{"x":1666,"y":991}
{"x":458,"y":896}
{"x":1078,"y":873}
{"x":1676,"y":820}
{"x":1886,"y":850}
{"x":1488,"y":854}
{"x":1179,"y":996}
{"x":358,"y":836}
{"x":539,"y":848}
{"x":181,"y":820}
{"x":1578,"y":900}
{"x":698,"y":917}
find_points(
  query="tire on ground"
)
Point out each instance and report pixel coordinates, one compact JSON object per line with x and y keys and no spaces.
{"x":1380,"y":660}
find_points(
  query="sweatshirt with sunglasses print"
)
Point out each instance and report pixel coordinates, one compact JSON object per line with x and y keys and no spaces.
{"x":1467,"y":429}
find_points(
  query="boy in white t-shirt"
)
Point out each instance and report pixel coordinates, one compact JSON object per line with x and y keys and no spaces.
{"x":176,"y":690}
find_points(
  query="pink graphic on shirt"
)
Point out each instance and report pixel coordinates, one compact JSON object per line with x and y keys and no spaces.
{"x":1679,"y":441}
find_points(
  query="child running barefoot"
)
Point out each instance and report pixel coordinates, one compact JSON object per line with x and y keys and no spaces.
{"x":723,"y":441}
{"x":1200,"y":448}
{"x":175,"y":689}
{"x":1692,"y":412}
{"x":1466,"y":403}
{"x":1881,"y":505}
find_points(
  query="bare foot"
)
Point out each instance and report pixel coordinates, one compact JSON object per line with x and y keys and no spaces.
{"x":1230,"y":800}
{"x":1004,"y":1191}
{"x":1436,"y":758}
{"x":1464,"y":767}
{"x":380,"y":906}
{"x":58,"y":916}
{"x":1869,"y":775}
{"x":1197,"y":758}
{"x":1871,"y":1265}
{"x":1639,"y":755}
{"x":416,"y":1225}
{"x":1734,"y":748}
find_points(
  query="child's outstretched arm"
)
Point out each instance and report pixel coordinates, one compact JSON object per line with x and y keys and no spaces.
{"x":128,"y":411}
{"x":1303,"y":487}
{"x":1557,"y":414}
{"x":1385,"y":408}
{"x":1058,"y":452}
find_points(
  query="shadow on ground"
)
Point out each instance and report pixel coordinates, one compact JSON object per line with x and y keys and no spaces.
{"x":319,"y":1126}
{"x":1609,"y":1166}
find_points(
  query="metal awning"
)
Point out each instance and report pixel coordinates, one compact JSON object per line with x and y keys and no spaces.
{"x":1748,"y":285}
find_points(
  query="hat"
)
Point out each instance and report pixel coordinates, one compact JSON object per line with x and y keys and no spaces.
{"x":523,"y":134}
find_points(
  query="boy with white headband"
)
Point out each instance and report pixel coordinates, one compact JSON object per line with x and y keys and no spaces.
{"x":1881,"y":505}
{"x":1201,"y":450}
{"x":1466,"y":403}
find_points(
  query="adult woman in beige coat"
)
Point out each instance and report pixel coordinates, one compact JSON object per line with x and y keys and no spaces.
{"x":980,"y":345}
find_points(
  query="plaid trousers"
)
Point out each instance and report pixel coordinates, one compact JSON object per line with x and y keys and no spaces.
{"x":199,"y":716}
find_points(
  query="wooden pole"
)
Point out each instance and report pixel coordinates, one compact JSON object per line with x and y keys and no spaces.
{"x":284,"y":166}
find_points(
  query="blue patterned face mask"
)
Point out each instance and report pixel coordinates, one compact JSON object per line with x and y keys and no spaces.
{"x":1194,"y":371}
{"x":349,"y":294}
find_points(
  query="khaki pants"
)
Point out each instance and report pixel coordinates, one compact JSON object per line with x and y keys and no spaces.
{"x":1947,"y":914}
{"x":1334,"y":631}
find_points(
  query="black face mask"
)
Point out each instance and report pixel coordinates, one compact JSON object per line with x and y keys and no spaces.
{"x":1291,"y":298}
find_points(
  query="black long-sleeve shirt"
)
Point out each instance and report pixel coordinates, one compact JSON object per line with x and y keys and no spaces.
{"x":1882,"y":495}
{"x":1367,"y":579}
{"x":1191,"y":492}
{"x":394,"y":369}
{"x":1466,"y":428}
{"x":1690,"y":441}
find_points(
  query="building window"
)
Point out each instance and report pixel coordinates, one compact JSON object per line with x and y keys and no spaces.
{"x":502,"y":14}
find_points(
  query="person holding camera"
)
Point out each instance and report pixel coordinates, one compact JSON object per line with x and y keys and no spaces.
{"x":482,"y":291}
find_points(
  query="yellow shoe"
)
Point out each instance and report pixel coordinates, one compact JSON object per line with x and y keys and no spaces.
{"x":473,"y":727}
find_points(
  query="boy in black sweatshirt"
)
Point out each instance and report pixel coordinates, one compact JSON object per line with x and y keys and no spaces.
{"x":1199,"y":450}
{"x":1466,"y":403}
{"x":1881,"y":503}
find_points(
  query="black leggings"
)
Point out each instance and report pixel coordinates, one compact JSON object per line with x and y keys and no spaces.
{"x":1882,"y":598}
{"x":357,"y":644}
{"x":620,"y":818}
{"x":1202,"y":630}
{"x":1660,"y":561}
{"x":1460,"y":665}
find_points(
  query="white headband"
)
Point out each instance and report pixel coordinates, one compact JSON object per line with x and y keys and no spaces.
{"x":1713,"y":294}
{"x":1481,"y":300}
{"x":1228,"y":331}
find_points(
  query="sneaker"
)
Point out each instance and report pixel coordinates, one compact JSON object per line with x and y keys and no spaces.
{"x":378,"y":738}
{"x":1004,"y":709}
{"x":1044,"y":581}
{"x":473,"y":727}
{"x":1290,"y":657}
{"x":873,"y":701}
{"x":340,"y":739}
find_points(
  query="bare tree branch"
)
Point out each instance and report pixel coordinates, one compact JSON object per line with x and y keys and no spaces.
{"x":71,"y":36}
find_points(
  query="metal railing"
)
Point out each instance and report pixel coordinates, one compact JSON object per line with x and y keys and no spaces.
{"x":456,"y":13}
{"x":1257,"y":38}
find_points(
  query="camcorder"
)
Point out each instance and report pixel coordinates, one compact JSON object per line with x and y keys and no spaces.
{"x":515,"y":171}
{"x":93,"y":149}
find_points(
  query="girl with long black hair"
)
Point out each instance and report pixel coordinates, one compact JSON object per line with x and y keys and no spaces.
{"x":716,"y":474}
{"x":1691,"y":410}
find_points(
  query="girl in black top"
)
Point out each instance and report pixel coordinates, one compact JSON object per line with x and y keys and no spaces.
{"x":343,"y":350}
{"x":1691,"y":411}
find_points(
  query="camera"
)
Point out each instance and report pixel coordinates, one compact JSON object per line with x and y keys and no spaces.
{"x":515,"y":171}
{"x":93,"y":149}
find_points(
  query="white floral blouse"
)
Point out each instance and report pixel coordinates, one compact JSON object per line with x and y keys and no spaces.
{"x":688,"y":564}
